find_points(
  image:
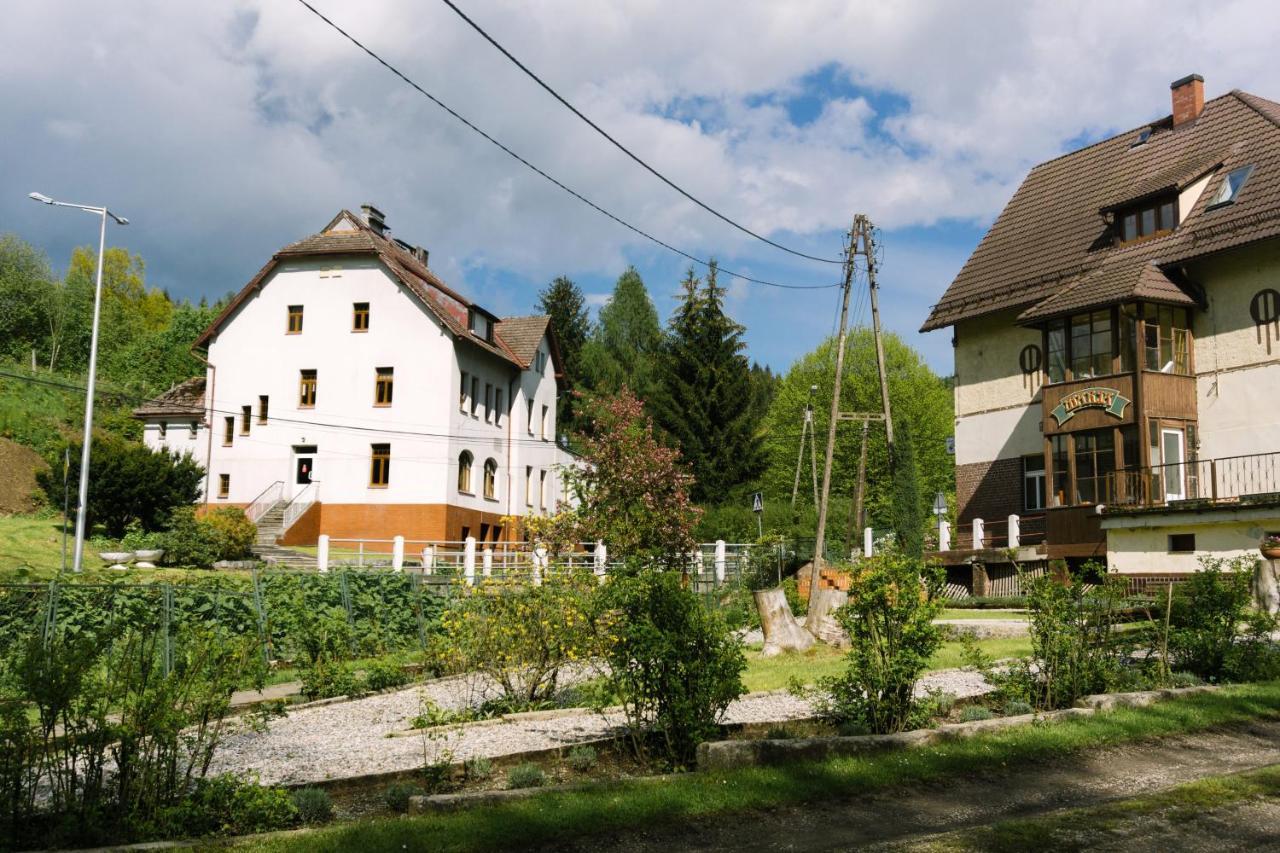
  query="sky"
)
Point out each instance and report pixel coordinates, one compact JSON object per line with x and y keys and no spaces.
{"x":226,"y":130}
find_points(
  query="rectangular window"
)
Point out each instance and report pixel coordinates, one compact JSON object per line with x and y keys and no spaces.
{"x":224,"y":485}
{"x":380,"y":466}
{"x":246,"y":418}
{"x":1095,"y":459}
{"x":262,"y":408}
{"x":1130,"y":231}
{"x":1152,"y":220}
{"x":528,"y":485}
{"x":1167,"y":341}
{"x":546,"y":424}
{"x":228,"y":431}
{"x":1091,"y":344}
{"x":530,"y":421}
{"x":1061,"y":460}
{"x":164,"y":430}
{"x":475,"y":395}
{"x":383,"y":385}
{"x":542,"y":489}
{"x":462,"y":392}
{"x":195,"y":428}
{"x":488,"y":402}
{"x":307,"y":389}
{"x":295,"y":320}
{"x":1057,"y":361}
{"x":1182,"y":543}
{"x":360,"y":317}
{"x":498,"y":408}
{"x":1033,"y":482}
{"x":1128,"y":338}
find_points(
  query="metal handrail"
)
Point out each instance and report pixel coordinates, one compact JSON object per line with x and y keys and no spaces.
{"x":260,"y":505}
{"x":301,"y":502}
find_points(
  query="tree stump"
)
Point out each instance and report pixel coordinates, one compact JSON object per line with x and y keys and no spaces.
{"x":782,"y":633}
{"x":820,"y":620}
{"x":1266,"y":586}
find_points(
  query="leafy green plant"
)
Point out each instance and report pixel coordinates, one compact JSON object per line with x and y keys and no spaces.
{"x":189,"y":541}
{"x":1209,"y":610}
{"x":331,"y":678}
{"x":974,"y":713}
{"x":384,"y":674}
{"x":232,"y":530}
{"x":227,"y":805}
{"x":1017,"y":708}
{"x":893,"y":600}
{"x":314,"y":805}
{"x":526,"y":775}
{"x":478,"y":767}
{"x":778,"y":733}
{"x":397,"y":796}
{"x":673,"y":665}
{"x":582,"y":758}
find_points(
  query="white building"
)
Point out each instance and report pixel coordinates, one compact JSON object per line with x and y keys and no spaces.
{"x":346,"y":377}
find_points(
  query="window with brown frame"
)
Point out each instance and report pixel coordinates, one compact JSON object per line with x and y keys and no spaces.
{"x":295,"y":320}
{"x":1060,"y":459}
{"x":164,"y":430}
{"x":498,"y":407}
{"x":195,"y":428}
{"x":546,"y":424}
{"x":262,"y":408}
{"x":307,"y":389}
{"x":542,"y":489}
{"x":228,"y":431}
{"x":488,"y":402}
{"x":1095,"y":458}
{"x":1151,"y":219}
{"x":1091,"y":344}
{"x":380,"y":466}
{"x":462,"y":392}
{"x":475,"y":395}
{"x":246,"y":418}
{"x":383,"y":386}
{"x":360,"y":317}
{"x":1167,"y":344}
{"x":528,"y":486}
{"x":224,"y":485}
{"x":490,"y":478}
{"x":464,"y":471}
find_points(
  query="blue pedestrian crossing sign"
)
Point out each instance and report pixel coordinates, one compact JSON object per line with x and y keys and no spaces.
{"x":757,"y":502}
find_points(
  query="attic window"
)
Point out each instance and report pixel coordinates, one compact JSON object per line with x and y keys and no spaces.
{"x":480,"y":325}
{"x":1143,"y":136}
{"x":1231,"y":186}
{"x":1150,"y":219}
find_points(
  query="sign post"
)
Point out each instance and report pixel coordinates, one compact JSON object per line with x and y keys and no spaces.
{"x":757,"y":506}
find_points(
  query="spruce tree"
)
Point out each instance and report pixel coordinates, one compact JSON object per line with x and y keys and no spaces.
{"x":705,"y":396}
{"x":625,"y":341}
{"x":908,"y":522}
{"x":564,"y":303}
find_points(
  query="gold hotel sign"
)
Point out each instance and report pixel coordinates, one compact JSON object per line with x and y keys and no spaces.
{"x":1108,"y":399}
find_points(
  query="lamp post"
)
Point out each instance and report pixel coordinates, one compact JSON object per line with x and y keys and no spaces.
{"x":83,"y":496}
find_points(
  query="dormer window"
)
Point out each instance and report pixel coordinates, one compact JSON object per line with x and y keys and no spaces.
{"x":1150,"y":219}
{"x":480,"y":325}
{"x":1231,"y":186}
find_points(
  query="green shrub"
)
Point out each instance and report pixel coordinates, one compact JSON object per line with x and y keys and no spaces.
{"x":228,"y":805}
{"x":1209,"y":609}
{"x":778,"y":733}
{"x":528,"y":775}
{"x":397,"y":796}
{"x":582,"y":758}
{"x":314,"y":805}
{"x":893,"y":600}
{"x":938,"y":703}
{"x":136,"y":539}
{"x":331,"y":678}
{"x":673,"y":664}
{"x":478,"y":767}
{"x":384,"y":674}
{"x":974,"y":713}
{"x":1016,"y":708}
{"x":233,"y":531}
{"x":189,"y":541}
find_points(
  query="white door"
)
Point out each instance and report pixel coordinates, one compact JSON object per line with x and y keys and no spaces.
{"x":1174,"y":458}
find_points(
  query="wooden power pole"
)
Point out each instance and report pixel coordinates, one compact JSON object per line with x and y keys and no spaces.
{"x":863,"y":224}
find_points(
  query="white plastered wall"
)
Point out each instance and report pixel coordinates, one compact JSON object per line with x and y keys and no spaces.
{"x":1141,"y":544}
{"x":997,"y":406}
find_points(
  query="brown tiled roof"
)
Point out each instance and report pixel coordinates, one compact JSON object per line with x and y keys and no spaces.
{"x":347,"y":234}
{"x":522,"y":335}
{"x":1049,"y":251}
{"x":186,"y":399}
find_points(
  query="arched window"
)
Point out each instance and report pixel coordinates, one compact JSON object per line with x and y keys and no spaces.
{"x":490,"y":477}
{"x":464,"y":471}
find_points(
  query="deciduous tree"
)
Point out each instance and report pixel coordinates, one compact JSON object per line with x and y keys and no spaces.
{"x":625,"y":341}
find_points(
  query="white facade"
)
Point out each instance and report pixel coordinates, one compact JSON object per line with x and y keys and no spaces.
{"x":330,"y":447}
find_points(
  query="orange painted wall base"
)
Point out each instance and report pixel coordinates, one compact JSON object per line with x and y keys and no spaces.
{"x":430,"y":522}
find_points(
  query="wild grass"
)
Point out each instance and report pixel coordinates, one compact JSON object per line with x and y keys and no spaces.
{"x":599,"y":809}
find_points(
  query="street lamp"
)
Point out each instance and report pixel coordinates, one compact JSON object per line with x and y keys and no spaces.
{"x":82,"y":501}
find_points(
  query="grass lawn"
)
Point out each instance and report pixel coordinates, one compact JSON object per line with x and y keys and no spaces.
{"x":822,"y":660}
{"x":36,"y":542}
{"x":1015,"y":615}
{"x":560,"y":817}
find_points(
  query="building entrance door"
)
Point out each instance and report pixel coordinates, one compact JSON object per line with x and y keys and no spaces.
{"x":304,"y":462}
{"x":1173,"y":457}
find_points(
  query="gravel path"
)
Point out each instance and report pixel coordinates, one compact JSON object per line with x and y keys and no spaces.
{"x":367,"y":736}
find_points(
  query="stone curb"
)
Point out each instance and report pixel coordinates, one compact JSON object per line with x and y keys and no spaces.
{"x":733,"y":754}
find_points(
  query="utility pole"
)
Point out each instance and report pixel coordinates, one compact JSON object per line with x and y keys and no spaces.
{"x":820,"y":536}
{"x":863,"y":225}
{"x":855,"y":509}
{"x":806,"y":431}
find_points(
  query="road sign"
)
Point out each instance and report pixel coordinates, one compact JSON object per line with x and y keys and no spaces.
{"x":757,"y":502}
{"x":940,"y":504}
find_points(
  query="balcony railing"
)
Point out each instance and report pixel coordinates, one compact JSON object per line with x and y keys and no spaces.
{"x":1224,"y":480}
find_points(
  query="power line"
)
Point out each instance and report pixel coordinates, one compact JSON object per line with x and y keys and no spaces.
{"x":579,"y":196}
{"x":624,"y":149}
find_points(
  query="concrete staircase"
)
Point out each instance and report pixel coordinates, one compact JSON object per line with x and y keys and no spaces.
{"x":267,"y":549}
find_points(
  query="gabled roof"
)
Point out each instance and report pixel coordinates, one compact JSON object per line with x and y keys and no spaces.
{"x":1049,"y":251}
{"x":348,"y":234}
{"x":186,"y":399}
{"x":523,"y":334}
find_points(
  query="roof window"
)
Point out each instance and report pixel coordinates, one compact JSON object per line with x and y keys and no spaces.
{"x":1143,"y":136}
{"x":1231,"y":186}
{"x":1151,"y":219}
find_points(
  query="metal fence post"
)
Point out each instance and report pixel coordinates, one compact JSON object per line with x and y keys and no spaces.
{"x":415,"y":586}
{"x":51,"y":613}
{"x":346,"y":603}
{"x":166,"y":593}
{"x":264,"y":639}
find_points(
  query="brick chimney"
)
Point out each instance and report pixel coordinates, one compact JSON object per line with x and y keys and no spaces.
{"x":377,"y":220}
{"x":1188,"y":99}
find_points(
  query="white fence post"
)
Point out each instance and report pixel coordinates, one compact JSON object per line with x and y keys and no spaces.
{"x":469,"y":560}
{"x":1015,"y":531}
{"x":944,"y":535}
{"x":979,"y":534}
{"x":322,"y":553}
{"x":540,"y":562}
{"x":868,"y":542}
{"x":428,"y":559}
{"x":397,"y":554}
{"x":487,"y":569}
{"x":602,"y":558}
{"x":720,"y":561}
